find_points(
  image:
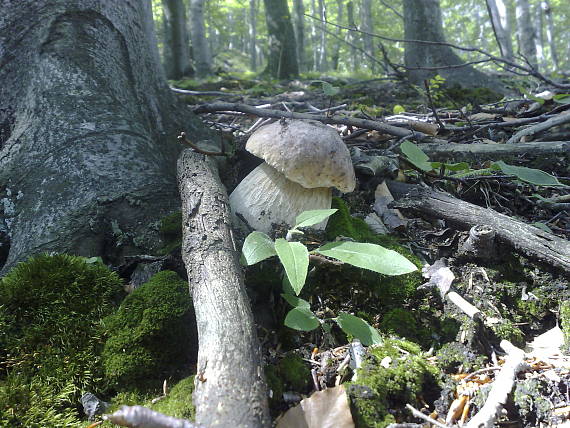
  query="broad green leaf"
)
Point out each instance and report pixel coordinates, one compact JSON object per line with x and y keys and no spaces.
{"x":303,"y":319}
{"x":358,"y":328}
{"x":416,"y":156}
{"x":542,"y":226}
{"x":561,"y":98}
{"x":460,"y":166}
{"x":309,"y":218}
{"x":368,"y":256}
{"x":398,"y":109}
{"x":257,"y":247}
{"x":287,"y":289}
{"x":295,"y":301}
{"x":330,"y":90}
{"x":93,"y":260}
{"x":529,"y":175}
{"x":295,"y":259}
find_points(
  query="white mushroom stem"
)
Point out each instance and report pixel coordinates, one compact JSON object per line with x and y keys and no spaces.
{"x":265,"y":197}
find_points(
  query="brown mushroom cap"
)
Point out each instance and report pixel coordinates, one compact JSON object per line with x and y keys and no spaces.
{"x":306,"y":152}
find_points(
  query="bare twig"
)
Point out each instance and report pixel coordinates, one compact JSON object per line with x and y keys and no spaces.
{"x":182,"y":138}
{"x":426,"y":418}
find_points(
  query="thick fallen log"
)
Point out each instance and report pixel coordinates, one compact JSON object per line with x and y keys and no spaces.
{"x":481,"y":152}
{"x":230,"y":388}
{"x":527,"y":240}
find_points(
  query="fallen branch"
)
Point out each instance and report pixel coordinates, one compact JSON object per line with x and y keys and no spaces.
{"x":528,"y":240}
{"x":502,"y":387}
{"x":539,"y":127}
{"x":141,"y":417}
{"x":348,"y":121}
{"x":230,"y":388}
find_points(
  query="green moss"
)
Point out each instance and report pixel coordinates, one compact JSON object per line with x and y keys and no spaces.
{"x":275,"y":385}
{"x":50,"y":340}
{"x":565,"y":323}
{"x":178,"y":402}
{"x":506,"y":330}
{"x":530,"y":399}
{"x":402,"y":322}
{"x":475,"y":96}
{"x":379,"y":391}
{"x":453,"y":355}
{"x":294,"y":372}
{"x":170,"y":231}
{"x":150,"y":336}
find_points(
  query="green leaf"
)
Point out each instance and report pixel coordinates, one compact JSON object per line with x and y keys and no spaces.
{"x":93,"y":260}
{"x":358,"y":328}
{"x":303,"y":319}
{"x":295,"y":301}
{"x":529,"y":175}
{"x":542,"y":226}
{"x":309,"y":218}
{"x":287,"y":289}
{"x":561,"y":98}
{"x":257,"y":247}
{"x":398,"y":109}
{"x":295,"y":259}
{"x":330,"y":90}
{"x":416,"y":156}
{"x":368,"y":256}
{"x":460,"y":166}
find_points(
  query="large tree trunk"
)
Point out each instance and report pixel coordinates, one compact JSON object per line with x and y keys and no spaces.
{"x":501,"y":26}
{"x":351,"y":36}
{"x":87,"y":148}
{"x":423,"y":21}
{"x":176,"y":42}
{"x":525,"y":32}
{"x":336,"y":49}
{"x":282,"y":58}
{"x":230,"y":391}
{"x":200,"y":49}
{"x":323,"y":65}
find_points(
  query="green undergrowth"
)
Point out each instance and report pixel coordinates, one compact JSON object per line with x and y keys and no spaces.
{"x":150,"y":335}
{"x":383,"y":390}
{"x":50,"y":337}
{"x":170,"y":231}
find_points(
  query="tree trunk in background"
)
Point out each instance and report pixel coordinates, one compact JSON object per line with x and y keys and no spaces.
{"x":282,"y":60}
{"x":525,"y":32}
{"x":88,"y":130}
{"x":314,"y":38}
{"x":323,"y":65}
{"x":351,"y":36}
{"x":336,"y":51}
{"x":498,"y":13}
{"x":538,"y":30}
{"x":550,"y":32}
{"x":176,"y":42}
{"x":200,"y":51}
{"x":366,"y":18}
{"x":423,"y":21}
{"x":299,"y":26}
{"x":252,"y":30}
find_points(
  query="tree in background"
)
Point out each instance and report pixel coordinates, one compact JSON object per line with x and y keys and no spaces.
{"x":299,"y":19}
{"x":526,"y":36}
{"x":498,"y":13}
{"x":282,"y":57}
{"x":176,"y":42}
{"x":200,"y":51}
{"x":423,"y":21}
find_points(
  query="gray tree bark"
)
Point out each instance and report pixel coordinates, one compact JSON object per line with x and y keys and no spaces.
{"x":282,"y":58}
{"x":526,"y":36}
{"x":336,"y":50}
{"x":323,"y":64}
{"x":252,"y":30}
{"x":550,"y":32}
{"x":351,"y":36}
{"x":230,"y":391}
{"x":501,"y":26}
{"x":299,"y":26}
{"x":366,"y":18}
{"x":539,"y":36}
{"x":200,"y":51}
{"x":423,"y":22}
{"x":177,"y":43}
{"x":88,"y":126}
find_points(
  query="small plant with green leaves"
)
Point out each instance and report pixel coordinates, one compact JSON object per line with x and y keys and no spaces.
{"x":294,"y":256}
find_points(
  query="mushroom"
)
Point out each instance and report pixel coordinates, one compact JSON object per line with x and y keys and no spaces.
{"x":303,"y":161}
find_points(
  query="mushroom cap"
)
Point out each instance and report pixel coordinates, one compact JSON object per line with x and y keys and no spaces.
{"x":265,"y":197}
{"x":306,"y":152}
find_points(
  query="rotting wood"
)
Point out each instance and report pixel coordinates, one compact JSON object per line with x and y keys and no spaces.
{"x":230,"y":388}
{"x":528,"y":240}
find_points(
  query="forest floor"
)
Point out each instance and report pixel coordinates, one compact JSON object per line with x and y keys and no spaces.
{"x":488,"y":224}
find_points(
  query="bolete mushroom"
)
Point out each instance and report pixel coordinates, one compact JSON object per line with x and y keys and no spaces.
{"x":303,"y":161}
